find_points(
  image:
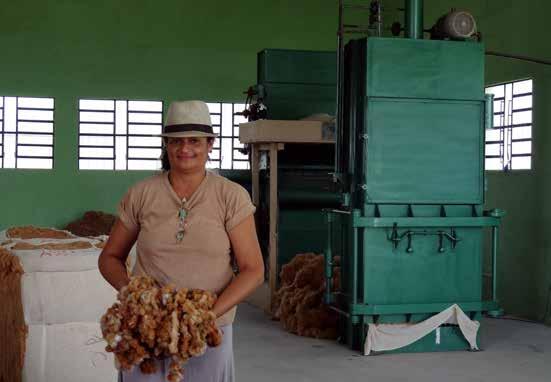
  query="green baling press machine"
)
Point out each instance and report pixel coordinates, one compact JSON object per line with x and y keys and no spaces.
{"x":410,"y":166}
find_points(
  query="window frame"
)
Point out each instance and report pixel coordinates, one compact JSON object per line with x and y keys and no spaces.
{"x":221,"y":138}
{"x":127,"y":135}
{"x":507,"y":125}
{"x":18,"y":132}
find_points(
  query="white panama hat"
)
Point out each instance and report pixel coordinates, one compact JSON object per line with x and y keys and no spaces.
{"x":188,"y":119}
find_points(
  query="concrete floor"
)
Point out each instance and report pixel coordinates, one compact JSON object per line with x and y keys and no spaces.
{"x":512,"y":351}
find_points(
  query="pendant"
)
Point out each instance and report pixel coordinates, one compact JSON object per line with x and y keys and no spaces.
{"x":180,"y":236}
{"x":182,"y":213}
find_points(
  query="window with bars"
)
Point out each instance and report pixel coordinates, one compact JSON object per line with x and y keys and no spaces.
{"x":119,"y":134}
{"x":509,"y":142}
{"x":26,"y":132}
{"x":225,"y":122}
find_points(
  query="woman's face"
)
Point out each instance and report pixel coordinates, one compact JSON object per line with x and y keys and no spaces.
{"x":188,"y":154}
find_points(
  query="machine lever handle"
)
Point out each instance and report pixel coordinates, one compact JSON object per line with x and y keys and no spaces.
{"x":396,"y":237}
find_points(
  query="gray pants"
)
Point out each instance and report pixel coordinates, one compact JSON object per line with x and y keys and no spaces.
{"x":216,"y":365}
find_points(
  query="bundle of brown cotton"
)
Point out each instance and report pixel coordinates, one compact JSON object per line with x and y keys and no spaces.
{"x":32,"y":232}
{"x":56,"y":246}
{"x":298,"y":304}
{"x":149,"y":322}
{"x":93,"y":223}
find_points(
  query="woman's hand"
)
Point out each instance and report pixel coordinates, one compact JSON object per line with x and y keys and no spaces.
{"x":247,"y":253}
{"x":112,"y":260}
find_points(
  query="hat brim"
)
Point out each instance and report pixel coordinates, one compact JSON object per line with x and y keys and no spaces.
{"x":188,"y":134}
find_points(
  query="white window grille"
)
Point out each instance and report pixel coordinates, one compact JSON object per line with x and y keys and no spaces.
{"x":226,"y":152}
{"x":509,"y":142}
{"x":119,"y":134}
{"x":26,"y":132}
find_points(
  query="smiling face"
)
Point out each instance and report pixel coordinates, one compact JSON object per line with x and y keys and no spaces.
{"x":188,"y":154}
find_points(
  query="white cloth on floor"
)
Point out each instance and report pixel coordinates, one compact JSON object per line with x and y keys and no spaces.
{"x":385,"y":337}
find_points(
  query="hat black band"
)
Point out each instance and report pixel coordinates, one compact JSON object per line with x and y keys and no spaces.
{"x":188,"y":127}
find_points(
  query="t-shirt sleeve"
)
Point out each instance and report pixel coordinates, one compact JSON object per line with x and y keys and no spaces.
{"x":128,"y":211}
{"x":238,"y":206}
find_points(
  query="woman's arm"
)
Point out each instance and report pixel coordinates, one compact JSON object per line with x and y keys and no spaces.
{"x":112,"y":261}
{"x":251,"y":266}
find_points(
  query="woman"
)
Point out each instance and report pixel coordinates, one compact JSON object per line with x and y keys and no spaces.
{"x":185,"y":221}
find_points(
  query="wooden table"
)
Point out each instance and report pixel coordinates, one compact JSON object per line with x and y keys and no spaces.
{"x":270,"y":136}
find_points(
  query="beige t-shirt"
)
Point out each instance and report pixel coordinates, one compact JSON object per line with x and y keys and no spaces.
{"x":202,"y":258}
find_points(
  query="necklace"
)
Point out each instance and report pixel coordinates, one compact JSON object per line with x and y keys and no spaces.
{"x":182,"y":214}
{"x":183,"y":210}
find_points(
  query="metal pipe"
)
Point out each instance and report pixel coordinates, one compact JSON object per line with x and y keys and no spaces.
{"x":489,"y":112}
{"x":328,"y":259}
{"x":344,"y":212}
{"x":339,"y":311}
{"x":354,"y":262}
{"x":517,"y":57}
{"x":495,"y":232}
{"x":379,"y":19}
{"x":338,"y":111}
{"x":414,"y":19}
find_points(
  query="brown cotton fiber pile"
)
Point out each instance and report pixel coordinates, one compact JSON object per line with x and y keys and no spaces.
{"x":298,"y":303}
{"x":149,"y":322}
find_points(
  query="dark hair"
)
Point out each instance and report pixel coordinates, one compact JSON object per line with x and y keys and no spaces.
{"x":165,"y":164}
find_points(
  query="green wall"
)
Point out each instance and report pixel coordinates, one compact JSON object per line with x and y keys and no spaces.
{"x":131,"y":49}
{"x":180,"y":50}
{"x":525,"y":269}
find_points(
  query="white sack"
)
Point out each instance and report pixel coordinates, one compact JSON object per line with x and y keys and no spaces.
{"x":63,"y":297}
{"x":67,"y":353}
{"x":46,"y":260}
{"x":384,"y":337}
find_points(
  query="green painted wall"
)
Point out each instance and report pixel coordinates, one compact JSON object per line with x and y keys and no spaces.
{"x":131,"y":49}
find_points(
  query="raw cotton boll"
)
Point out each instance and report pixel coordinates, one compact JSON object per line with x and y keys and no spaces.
{"x":149,"y":322}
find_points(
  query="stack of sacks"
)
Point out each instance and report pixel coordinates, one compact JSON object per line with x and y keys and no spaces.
{"x":149,"y":322}
{"x":298,"y":304}
{"x":37,"y":238}
{"x":63,"y":297}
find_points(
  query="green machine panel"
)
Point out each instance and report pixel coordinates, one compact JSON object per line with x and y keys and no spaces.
{"x":292,"y":85}
{"x":405,"y":68}
{"x":424,"y":151}
{"x":297,"y":67}
{"x":397,"y":276}
{"x":296,"y":83}
{"x":296,"y":101}
{"x":300,"y":231}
